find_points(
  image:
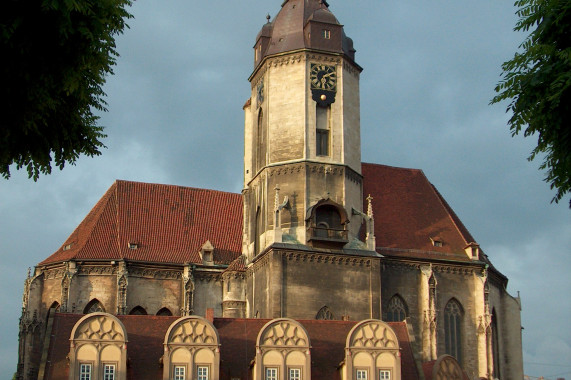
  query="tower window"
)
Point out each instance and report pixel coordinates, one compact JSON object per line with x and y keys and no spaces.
{"x":322,"y":130}
{"x":326,"y":34}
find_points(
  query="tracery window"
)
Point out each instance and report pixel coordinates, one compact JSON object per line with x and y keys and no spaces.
{"x":94,"y":306}
{"x":396,"y":309}
{"x":325,"y":314}
{"x":453,"y":315}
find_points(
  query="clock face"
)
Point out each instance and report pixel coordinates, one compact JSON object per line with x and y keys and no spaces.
{"x":323,"y":77}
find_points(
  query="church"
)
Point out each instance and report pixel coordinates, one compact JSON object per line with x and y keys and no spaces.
{"x":324,"y":267}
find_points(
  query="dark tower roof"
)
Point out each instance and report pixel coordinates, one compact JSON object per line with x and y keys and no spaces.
{"x":300,"y":24}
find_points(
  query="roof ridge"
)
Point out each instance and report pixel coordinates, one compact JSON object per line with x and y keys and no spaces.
{"x":124,"y":181}
{"x":390,"y":166}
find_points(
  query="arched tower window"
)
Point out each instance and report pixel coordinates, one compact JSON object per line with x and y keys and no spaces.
{"x":327,"y":224}
{"x":260,"y":147}
{"x":94,"y":306}
{"x":396,"y":309}
{"x":453,"y":316}
{"x":164,"y":312}
{"x":138,"y":310}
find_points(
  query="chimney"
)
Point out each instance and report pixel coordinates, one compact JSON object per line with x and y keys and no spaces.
{"x":210,"y":315}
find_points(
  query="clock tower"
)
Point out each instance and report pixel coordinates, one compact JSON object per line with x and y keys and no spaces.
{"x":302,"y":167}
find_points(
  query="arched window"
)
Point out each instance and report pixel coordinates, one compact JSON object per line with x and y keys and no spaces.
{"x":495,"y":344}
{"x":396,"y":309}
{"x":138,"y":310}
{"x":327,"y":216}
{"x":453,"y":315}
{"x":164,"y":312}
{"x":94,"y":306}
{"x":55,"y":305}
{"x":325,"y":314}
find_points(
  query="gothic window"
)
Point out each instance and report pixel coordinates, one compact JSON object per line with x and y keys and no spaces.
{"x":396,"y":309}
{"x":325,"y":314}
{"x":55,"y":306}
{"x":495,"y":344}
{"x":260,"y":147}
{"x":453,"y":315}
{"x":94,"y":306}
{"x":322,"y":130}
{"x":164,"y":312}
{"x":138,"y":310}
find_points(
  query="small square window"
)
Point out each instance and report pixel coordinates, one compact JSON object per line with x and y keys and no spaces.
{"x":326,"y":34}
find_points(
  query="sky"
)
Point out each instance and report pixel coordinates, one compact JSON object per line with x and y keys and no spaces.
{"x":175,"y":117}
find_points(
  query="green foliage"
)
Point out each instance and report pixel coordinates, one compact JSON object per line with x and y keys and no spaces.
{"x":537,"y":81}
{"x":56,"y":56}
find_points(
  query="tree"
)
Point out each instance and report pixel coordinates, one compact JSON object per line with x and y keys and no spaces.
{"x":537,"y":81}
{"x":56,"y":56}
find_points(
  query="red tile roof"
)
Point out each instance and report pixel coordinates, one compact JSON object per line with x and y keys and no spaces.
{"x":169,"y":224}
{"x":408,"y":212}
{"x":238,"y":346}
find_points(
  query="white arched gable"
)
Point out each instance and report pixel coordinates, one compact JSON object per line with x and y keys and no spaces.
{"x":283,"y":345}
{"x":98,"y":341}
{"x":372,"y":346}
{"x":191,"y":344}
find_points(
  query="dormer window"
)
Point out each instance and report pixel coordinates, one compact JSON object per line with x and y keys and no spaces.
{"x":436,"y":241}
{"x":207,"y":253}
{"x":133,"y":245}
{"x":326,"y":34}
{"x":67,"y":247}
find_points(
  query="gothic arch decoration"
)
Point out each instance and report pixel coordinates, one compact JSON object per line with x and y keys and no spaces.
{"x":94,"y":306}
{"x":98,"y":346}
{"x":191,"y":346}
{"x":446,"y":368}
{"x":164,"y":312}
{"x":397,"y":309}
{"x":372,"y":349}
{"x":327,"y":222}
{"x":283,"y":347}
{"x":56,"y":306}
{"x":453,"y":327}
{"x":325,"y":314}
{"x":138,"y":310}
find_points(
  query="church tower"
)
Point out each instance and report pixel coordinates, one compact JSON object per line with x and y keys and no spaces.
{"x":302,"y":161}
{"x":303,"y":188}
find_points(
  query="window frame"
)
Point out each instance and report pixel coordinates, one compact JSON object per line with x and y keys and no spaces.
{"x":298,"y":369}
{"x":274,"y":377}
{"x":82,"y":374}
{"x":326,"y":34}
{"x":184,"y":370}
{"x":200,"y":366}
{"x":363,"y":370}
{"x":104,"y":366}
{"x":385,"y":370}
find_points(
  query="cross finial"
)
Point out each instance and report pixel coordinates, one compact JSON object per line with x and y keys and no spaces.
{"x":268,"y":17}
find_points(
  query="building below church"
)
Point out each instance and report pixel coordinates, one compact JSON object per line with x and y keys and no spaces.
{"x":324,"y":267}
